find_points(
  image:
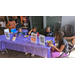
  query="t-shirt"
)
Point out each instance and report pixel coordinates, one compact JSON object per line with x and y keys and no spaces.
{"x":35,"y":33}
{"x":11,"y":24}
{"x":64,"y":42}
{"x":19,"y":24}
{"x":3,"y":24}
{"x":50,"y":34}
{"x":18,"y":33}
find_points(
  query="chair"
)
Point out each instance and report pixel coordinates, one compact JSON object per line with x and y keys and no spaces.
{"x":71,"y":46}
{"x":68,"y":30}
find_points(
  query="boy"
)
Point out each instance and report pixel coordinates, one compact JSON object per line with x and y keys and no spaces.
{"x":20,"y":32}
{"x":33,"y":30}
{"x":62,"y":46}
{"x":48,"y":32}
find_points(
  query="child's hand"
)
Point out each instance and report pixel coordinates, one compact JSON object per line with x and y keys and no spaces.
{"x":65,"y":37}
{"x":51,"y":45}
{"x":53,"y":49}
{"x":15,"y":35}
{"x":32,"y":29}
{"x":69,"y":38}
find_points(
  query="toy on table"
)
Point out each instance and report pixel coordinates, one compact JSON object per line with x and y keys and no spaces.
{"x":14,"y":38}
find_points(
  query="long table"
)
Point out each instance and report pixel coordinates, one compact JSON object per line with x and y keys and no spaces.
{"x":24,"y":45}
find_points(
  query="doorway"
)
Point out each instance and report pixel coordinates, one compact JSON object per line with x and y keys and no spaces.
{"x":38,"y":22}
{"x":51,"y":20}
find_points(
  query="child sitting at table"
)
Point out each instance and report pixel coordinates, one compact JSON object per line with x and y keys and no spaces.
{"x":62,"y":45}
{"x":48,"y":32}
{"x":33,"y":30}
{"x":20,"y":32}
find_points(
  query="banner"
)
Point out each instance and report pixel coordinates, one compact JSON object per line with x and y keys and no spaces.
{"x":6,"y":32}
{"x":33,"y":38}
{"x":42,"y":40}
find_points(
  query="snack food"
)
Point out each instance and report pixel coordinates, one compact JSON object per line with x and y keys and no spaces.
{"x":19,"y":35}
{"x":49,"y":41}
{"x":14,"y":38}
{"x":26,"y":36}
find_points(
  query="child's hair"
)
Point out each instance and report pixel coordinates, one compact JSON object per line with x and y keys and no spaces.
{"x":11,"y":19}
{"x":60,"y":34}
{"x":48,"y":27}
{"x":35,"y":28}
{"x":19,"y":28}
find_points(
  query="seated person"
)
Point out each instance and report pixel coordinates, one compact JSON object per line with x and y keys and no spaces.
{"x":73,"y":39}
{"x":62,"y":45}
{"x":20,"y":32}
{"x":33,"y":30}
{"x":48,"y":32}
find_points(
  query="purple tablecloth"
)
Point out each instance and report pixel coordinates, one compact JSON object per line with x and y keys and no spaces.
{"x":2,"y":37}
{"x":24,"y":45}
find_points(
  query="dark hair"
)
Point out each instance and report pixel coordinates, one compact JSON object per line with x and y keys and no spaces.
{"x":11,"y":19}
{"x":48,"y":27}
{"x":2,"y":19}
{"x":60,"y":34}
{"x":35,"y":28}
{"x":19,"y":28}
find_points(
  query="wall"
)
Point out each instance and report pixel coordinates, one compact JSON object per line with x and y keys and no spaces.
{"x":44,"y":22}
{"x":68,"y":20}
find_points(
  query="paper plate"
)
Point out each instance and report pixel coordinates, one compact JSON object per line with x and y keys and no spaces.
{"x":26,"y":36}
{"x":49,"y":41}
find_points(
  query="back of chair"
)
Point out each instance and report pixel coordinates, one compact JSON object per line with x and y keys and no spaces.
{"x":69,"y":30}
{"x":57,"y":27}
{"x":71,"y":46}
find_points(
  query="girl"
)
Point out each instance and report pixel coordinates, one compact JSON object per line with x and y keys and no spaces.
{"x":11,"y":23}
{"x":33,"y":30}
{"x":62,"y":46}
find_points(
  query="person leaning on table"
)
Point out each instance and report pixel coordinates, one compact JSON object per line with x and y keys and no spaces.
{"x":62,"y":45}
